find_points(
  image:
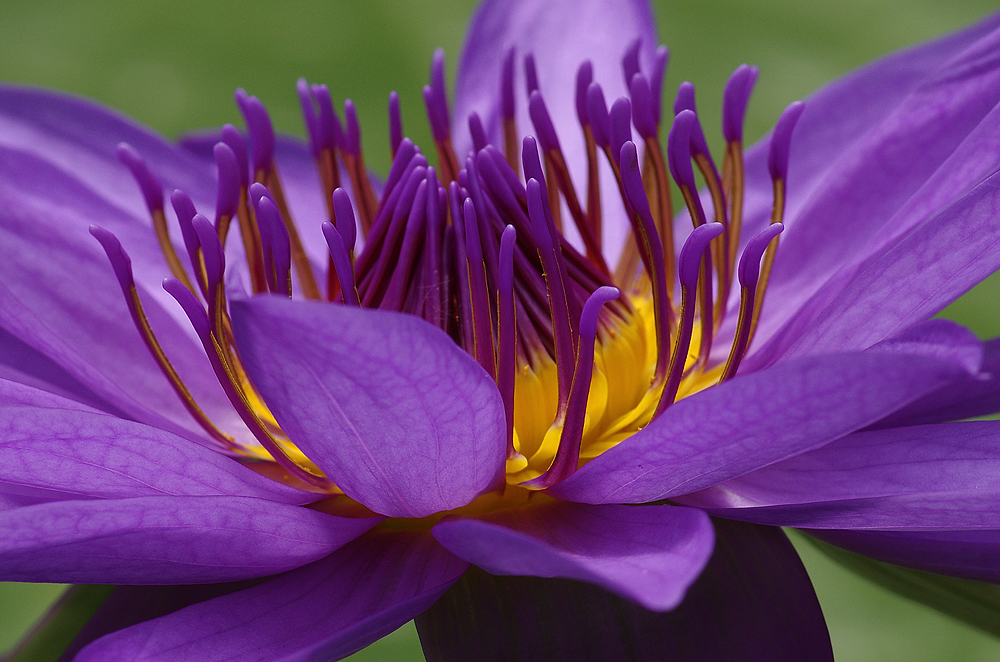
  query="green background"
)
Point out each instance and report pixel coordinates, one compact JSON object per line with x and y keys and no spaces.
{"x":174,"y":64}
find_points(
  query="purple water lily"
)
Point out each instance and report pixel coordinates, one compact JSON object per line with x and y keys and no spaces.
{"x":502,"y":395}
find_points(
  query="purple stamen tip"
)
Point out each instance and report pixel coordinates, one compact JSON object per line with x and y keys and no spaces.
{"x":660,"y":59}
{"x":620,"y":125}
{"x":507,"y":85}
{"x":258,"y":191}
{"x":191,"y":306}
{"x":341,"y":262}
{"x":630,"y":61}
{"x":530,"y":73}
{"x":679,"y":149}
{"x":628,"y":159}
{"x":352,"y":129}
{"x":211,"y":249}
{"x":543,"y":122}
{"x":343,"y":211}
{"x":584,"y":77}
{"x":592,"y":308}
{"x":232,"y":137}
{"x":479,"y":140}
{"x":597,"y":113}
{"x":437,"y":118}
{"x":694,"y":248}
{"x":152,"y":191}
{"x":734,"y":101}
{"x":536,"y":214}
{"x":505,"y":280}
{"x":439,"y":85}
{"x":260,"y":129}
{"x":642,"y":107}
{"x":185,"y":210}
{"x":330,"y":132}
{"x":529,"y":160}
{"x":685,"y":101}
{"x":749,"y":269}
{"x":120,"y":261}
{"x":781,"y":140}
{"x":228,"y":191}
{"x":309,"y":115}
{"x":395,"y":123}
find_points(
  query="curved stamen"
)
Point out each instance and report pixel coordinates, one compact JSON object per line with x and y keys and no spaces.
{"x":568,"y":455}
{"x":395,"y":124}
{"x":734,"y":105}
{"x":478,"y":133}
{"x":184,"y":208}
{"x":227,"y":199}
{"x":630,"y":60}
{"x":152,"y":193}
{"x":248,"y":228}
{"x":342,"y":263}
{"x":748,"y":273}
{"x":691,"y":264}
{"x":661,"y":57}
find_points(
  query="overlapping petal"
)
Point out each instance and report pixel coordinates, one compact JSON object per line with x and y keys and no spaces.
{"x":913,"y":478}
{"x":325,"y":610}
{"x":766,"y":416}
{"x":165,"y":540}
{"x":384,"y":403}
{"x":649,"y":554}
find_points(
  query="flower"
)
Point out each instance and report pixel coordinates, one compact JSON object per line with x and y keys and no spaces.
{"x":368,"y":457}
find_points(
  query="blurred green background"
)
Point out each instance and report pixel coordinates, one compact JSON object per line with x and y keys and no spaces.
{"x":174,"y":64}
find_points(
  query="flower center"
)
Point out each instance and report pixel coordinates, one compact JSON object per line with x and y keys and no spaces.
{"x":584,"y":355}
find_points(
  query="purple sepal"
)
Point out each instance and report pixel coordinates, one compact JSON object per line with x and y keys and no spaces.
{"x":232,"y":137}
{"x":735,"y":99}
{"x":507,"y":85}
{"x":584,"y":77}
{"x":395,"y":122}
{"x":749,"y":269}
{"x":352,"y":129}
{"x":597,"y":114}
{"x":619,"y":125}
{"x":152,"y":191}
{"x":544,"y":129}
{"x":479,"y":140}
{"x":660,"y":59}
{"x":228,"y":192}
{"x":343,"y":211}
{"x":643,"y":115}
{"x":679,"y":150}
{"x":309,"y":115}
{"x":694,"y":248}
{"x":259,"y":128}
{"x":630,"y":61}
{"x":753,"y":602}
{"x":777,"y":157}
{"x":530,"y":73}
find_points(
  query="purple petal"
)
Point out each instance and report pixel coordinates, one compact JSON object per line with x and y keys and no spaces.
{"x":324,"y":611}
{"x":920,"y":477}
{"x":61,"y":453}
{"x":753,"y":603}
{"x":585,"y":33}
{"x":395,"y":414}
{"x":165,"y":540}
{"x":921,"y":132}
{"x":758,"y":419}
{"x":648,"y":554}
{"x":968,"y":554}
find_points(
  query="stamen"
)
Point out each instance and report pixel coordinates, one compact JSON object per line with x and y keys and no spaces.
{"x":644,"y":230}
{"x":273,"y":227}
{"x":479,"y":140}
{"x":630,"y":61}
{"x":734,"y":106}
{"x":395,"y":124}
{"x":481,"y":321}
{"x":748,"y":274}
{"x":584,"y":78}
{"x":553,"y":155}
{"x":691,"y":264}
{"x":402,"y":271}
{"x":248,"y":228}
{"x":530,"y":74}
{"x":227,"y":198}
{"x":122,"y":265}
{"x":507,"y":334}
{"x":355,"y":164}
{"x":152,"y":193}
{"x":342,"y":263}
{"x":555,"y":284}
{"x":465,"y":316}
{"x":228,"y":380}
{"x":777,"y":165}
{"x":679,"y":156}
{"x":660,"y":59}
{"x":347,"y":225}
{"x":309,"y":116}
{"x":568,"y":455}
{"x":507,"y":109}
{"x":435,"y":303}
{"x":184,"y":208}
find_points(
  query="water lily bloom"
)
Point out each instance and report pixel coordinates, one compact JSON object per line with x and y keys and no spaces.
{"x":511,"y":395}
